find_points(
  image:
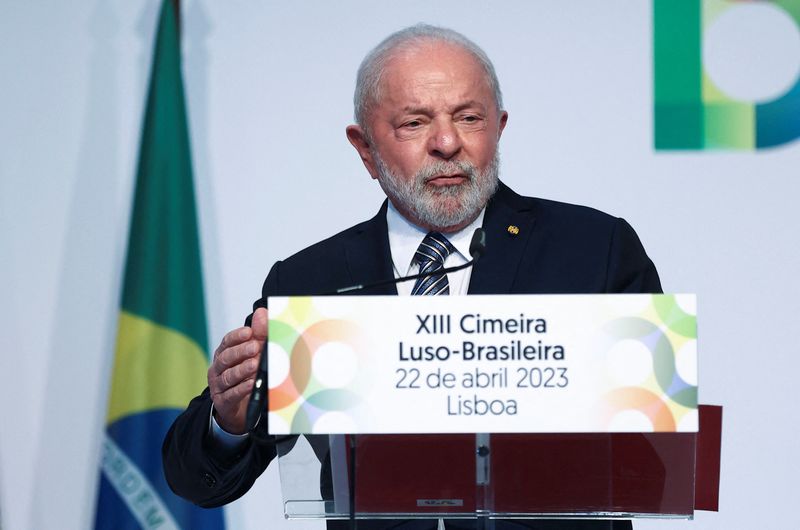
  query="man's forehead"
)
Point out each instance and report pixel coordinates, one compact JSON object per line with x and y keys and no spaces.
{"x":423,"y":68}
{"x":429,"y":53}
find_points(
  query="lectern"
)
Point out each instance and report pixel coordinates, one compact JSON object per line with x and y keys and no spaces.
{"x":590,"y":402}
{"x":503,"y":476}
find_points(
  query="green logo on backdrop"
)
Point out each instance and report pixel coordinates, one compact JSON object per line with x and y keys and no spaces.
{"x":691,"y":112}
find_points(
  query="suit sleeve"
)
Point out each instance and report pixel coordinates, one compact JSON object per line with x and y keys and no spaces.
{"x":629,"y":269}
{"x":194,"y":468}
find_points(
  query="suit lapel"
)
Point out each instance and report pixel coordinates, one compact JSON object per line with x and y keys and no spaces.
{"x":508,"y":224}
{"x":368,"y":256}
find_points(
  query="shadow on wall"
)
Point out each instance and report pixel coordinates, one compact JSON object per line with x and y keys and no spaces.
{"x":196,"y":30}
{"x":86,"y":312}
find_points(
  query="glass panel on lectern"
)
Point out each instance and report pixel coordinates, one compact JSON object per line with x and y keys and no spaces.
{"x":621,"y":475}
{"x":305,"y":473}
{"x":592,"y":475}
{"x":405,"y":476}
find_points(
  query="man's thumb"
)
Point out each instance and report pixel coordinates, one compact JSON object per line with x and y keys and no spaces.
{"x":259,"y":323}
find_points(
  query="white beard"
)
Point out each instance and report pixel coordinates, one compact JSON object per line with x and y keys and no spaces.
{"x":440,"y":207}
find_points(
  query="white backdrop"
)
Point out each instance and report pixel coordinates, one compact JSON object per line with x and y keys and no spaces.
{"x":269,"y":87}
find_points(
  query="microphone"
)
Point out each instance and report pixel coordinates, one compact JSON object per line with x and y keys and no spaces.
{"x":258,"y":396}
{"x":477,"y":246}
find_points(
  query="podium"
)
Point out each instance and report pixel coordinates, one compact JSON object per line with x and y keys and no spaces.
{"x":592,"y":401}
{"x":503,"y":476}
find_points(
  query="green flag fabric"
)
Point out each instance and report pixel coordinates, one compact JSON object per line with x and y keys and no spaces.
{"x":160,"y":360}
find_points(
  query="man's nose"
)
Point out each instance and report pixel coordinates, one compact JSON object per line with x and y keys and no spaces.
{"x":445,"y":140}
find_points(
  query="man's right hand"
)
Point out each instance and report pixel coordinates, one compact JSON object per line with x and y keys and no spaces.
{"x":233,"y":371}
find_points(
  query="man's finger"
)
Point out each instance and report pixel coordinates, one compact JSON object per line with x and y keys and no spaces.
{"x":237,"y":392}
{"x":234,"y":338}
{"x":233,"y":376}
{"x":233,"y":356}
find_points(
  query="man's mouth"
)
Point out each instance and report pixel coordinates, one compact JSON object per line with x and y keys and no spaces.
{"x":447,"y":180}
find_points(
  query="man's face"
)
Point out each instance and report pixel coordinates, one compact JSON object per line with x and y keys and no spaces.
{"x":433,"y":136}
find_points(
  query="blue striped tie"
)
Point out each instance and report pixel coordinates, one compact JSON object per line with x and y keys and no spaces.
{"x":430,"y":255}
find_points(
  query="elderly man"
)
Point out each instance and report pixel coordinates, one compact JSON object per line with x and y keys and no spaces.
{"x":429,"y":119}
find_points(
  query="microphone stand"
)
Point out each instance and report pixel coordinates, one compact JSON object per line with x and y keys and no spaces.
{"x":359,"y":287}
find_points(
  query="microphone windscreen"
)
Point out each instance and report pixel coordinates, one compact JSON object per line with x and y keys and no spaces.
{"x":477,"y":247}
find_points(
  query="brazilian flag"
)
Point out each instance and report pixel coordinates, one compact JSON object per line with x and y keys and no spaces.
{"x":160,"y":360}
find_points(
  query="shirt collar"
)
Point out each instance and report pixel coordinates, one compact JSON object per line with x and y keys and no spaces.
{"x":405,"y":237}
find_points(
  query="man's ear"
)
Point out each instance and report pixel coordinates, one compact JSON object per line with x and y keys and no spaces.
{"x":503,"y":121}
{"x":359,"y":139}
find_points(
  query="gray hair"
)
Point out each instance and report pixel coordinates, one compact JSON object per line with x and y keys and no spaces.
{"x":373,"y":66}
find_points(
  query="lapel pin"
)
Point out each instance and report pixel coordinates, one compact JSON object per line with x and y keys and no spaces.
{"x":513,"y":230}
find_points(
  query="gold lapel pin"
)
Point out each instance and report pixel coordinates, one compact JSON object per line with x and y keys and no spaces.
{"x":513,"y":230}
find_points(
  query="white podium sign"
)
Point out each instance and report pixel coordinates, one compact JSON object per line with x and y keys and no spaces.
{"x":463,"y":364}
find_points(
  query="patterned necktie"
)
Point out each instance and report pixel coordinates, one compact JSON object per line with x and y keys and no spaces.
{"x":430,"y":255}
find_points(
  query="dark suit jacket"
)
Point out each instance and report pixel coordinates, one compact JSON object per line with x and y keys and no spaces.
{"x":558,"y":248}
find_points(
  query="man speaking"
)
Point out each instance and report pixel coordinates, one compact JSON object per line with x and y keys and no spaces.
{"x":429,"y":117}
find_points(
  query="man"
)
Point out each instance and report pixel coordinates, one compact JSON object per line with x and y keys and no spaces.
{"x":429,"y":119}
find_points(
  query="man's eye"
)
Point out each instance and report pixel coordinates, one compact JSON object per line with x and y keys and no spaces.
{"x":470,"y":119}
{"x":413,"y":124}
